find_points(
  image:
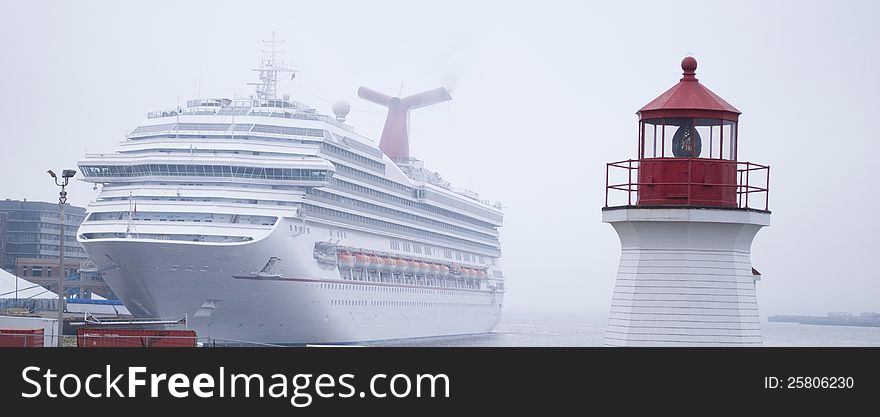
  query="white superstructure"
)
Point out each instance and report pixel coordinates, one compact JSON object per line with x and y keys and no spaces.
{"x":263,"y":220}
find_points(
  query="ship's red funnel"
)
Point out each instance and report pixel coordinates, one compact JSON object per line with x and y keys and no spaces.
{"x":395,"y":135}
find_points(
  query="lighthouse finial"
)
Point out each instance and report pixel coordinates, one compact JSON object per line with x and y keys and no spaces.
{"x":689,"y":68}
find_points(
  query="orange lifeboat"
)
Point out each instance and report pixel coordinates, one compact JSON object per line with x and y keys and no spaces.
{"x":361,"y":260}
{"x":375,"y":262}
{"x":482,"y":273}
{"x":435,"y":269}
{"x":444,"y":270}
{"x":345,"y":260}
{"x":390,"y":264}
{"x":384,"y":263}
{"x":412,"y":266}
{"x":400,"y":265}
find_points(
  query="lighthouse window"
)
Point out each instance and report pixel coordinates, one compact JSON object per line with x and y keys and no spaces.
{"x":680,"y":140}
{"x":730,"y":140}
{"x":650,"y":139}
{"x":688,"y":138}
{"x":704,"y":131}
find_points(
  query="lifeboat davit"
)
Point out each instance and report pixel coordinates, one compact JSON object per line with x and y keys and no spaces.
{"x":345,"y":260}
{"x":435,"y":269}
{"x":444,"y":270}
{"x":361,"y":260}
{"x":455,"y":269}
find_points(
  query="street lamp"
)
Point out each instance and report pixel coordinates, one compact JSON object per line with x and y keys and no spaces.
{"x":66,"y":175}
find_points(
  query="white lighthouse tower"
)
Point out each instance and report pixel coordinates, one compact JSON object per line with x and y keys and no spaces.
{"x":686,"y":212}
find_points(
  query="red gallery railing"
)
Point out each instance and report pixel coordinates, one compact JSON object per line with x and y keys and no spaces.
{"x":752,"y":180}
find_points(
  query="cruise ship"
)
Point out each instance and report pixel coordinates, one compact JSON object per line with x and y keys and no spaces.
{"x":263,"y":220}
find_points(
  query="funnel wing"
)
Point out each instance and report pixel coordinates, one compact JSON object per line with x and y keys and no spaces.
{"x":427,"y":98}
{"x":374,"y":96}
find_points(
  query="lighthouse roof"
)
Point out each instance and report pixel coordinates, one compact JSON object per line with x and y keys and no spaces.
{"x":689,"y":98}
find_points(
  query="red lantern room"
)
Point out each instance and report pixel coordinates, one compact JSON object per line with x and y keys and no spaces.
{"x":687,"y":151}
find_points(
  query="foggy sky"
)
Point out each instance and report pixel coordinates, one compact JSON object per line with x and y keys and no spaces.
{"x":545,"y":93}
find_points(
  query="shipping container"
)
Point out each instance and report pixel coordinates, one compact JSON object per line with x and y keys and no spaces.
{"x":49,"y":327}
{"x":104,"y":337}
{"x":21,"y":337}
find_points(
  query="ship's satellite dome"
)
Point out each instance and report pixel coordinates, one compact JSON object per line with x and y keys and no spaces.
{"x":341,"y":108}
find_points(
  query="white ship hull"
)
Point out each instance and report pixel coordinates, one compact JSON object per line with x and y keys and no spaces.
{"x":217,"y":287}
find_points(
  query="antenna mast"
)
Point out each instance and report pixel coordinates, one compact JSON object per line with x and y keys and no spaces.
{"x":267,"y":88}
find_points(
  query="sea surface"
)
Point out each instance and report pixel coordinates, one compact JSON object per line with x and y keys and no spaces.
{"x":582,"y":329}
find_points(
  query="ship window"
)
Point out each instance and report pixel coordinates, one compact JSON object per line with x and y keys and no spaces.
{"x":204,"y":170}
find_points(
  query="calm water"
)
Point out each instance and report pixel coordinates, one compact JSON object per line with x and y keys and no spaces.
{"x":572,"y":329}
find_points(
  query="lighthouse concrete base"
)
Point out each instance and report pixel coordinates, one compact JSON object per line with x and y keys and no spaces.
{"x":685,"y":277}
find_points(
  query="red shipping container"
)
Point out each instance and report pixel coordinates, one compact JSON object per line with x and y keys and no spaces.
{"x":92,"y":337}
{"x":21,"y":337}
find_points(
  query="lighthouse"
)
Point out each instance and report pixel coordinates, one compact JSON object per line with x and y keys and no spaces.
{"x":686,"y":211}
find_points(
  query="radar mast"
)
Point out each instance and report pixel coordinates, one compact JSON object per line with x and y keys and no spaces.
{"x":270,"y":68}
